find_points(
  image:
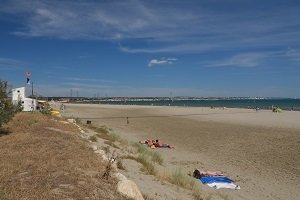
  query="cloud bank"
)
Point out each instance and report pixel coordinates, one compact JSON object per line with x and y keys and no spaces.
{"x":163,"y":26}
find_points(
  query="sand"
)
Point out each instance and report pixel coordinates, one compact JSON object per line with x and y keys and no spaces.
{"x":260,"y":150}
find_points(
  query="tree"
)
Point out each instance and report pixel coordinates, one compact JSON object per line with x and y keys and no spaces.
{"x":7,"y":109}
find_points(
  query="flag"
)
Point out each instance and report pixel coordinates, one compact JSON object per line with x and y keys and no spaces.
{"x":28,"y":81}
{"x":28,"y":74}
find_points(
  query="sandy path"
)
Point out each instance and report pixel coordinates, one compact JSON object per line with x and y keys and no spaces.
{"x":258,"y":149}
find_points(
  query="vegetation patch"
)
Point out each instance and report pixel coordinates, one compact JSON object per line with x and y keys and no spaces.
{"x":93,"y":138}
{"x":148,"y":167}
{"x":40,"y":163}
{"x":110,"y":143}
{"x":3,"y":196}
{"x":180,"y":179}
{"x":146,"y":151}
{"x":120,"y":165}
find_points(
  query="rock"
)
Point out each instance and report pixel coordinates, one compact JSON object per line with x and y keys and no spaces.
{"x":100,"y":151}
{"x":71,"y":121}
{"x":94,"y":147}
{"x":129,"y":189}
{"x":120,"y":176}
{"x":104,"y":157}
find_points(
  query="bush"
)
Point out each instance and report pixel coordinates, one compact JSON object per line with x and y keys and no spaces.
{"x":93,"y":138}
{"x":7,"y":109}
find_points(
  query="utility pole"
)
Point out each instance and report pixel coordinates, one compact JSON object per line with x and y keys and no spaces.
{"x":32,"y":103}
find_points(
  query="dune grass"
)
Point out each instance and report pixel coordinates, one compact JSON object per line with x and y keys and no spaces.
{"x":146,"y":151}
{"x":111,"y":143}
{"x":93,"y":138}
{"x":42,"y":163}
{"x":178,"y":178}
{"x":148,"y":167}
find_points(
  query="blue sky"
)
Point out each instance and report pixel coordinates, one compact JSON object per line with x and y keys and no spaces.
{"x":199,"y":48}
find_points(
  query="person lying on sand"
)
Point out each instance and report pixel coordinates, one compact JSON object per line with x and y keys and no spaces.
{"x":159,"y":144}
{"x":156,"y":144}
{"x":198,"y":174}
{"x":148,"y":142}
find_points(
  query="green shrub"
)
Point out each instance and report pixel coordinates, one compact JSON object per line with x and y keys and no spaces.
{"x":7,"y":109}
{"x":155,"y":156}
{"x":93,"y":138}
{"x":178,"y":178}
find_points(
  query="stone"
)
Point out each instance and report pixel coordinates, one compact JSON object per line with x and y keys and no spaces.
{"x":129,"y":189}
{"x":94,"y":147}
{"x":120,"y":176}
{"x":71,"y":121}
{"x":100,"y":151}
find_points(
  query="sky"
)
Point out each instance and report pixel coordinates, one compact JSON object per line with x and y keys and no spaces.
{"x":161,"y":48}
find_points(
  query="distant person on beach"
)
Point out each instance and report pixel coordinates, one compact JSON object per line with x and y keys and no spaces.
{"x":148,"y":142}
{"x":198,"y":174}
{"x":274,"y":108}
{"x":62,"y":108}
{"x":156,"y":144}
{"x":159,"y":144}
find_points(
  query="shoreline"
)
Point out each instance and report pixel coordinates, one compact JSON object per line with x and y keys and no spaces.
{"x":257,"y":149}
{"x":264,"y":104}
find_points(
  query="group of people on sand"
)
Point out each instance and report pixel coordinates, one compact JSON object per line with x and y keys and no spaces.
{"x":156,"y":144}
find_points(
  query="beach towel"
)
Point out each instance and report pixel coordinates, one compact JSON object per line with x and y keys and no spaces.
{"x":224,"y":185}
{"x":215,"y":179}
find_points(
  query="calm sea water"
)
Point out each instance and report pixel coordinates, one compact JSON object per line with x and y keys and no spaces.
{"x":285,"y":104}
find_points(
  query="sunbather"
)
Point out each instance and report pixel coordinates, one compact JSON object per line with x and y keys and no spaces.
{"x":156,"y":144}
{"x":198,"y":174}
{"x":159,"y":144}
{"x":148,"y":142}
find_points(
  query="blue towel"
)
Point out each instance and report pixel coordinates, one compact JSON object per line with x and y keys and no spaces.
{"x":215,"y":179}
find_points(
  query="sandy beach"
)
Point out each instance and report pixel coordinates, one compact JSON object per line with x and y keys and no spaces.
{"x":260,"y":150}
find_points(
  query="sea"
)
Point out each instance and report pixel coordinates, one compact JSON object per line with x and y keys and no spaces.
{"x":265,"y":104}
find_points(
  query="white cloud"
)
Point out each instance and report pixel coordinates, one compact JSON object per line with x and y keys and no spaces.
{"x":164,"y":26}
{"x":240,"y":60}
{"x":161,"y":61}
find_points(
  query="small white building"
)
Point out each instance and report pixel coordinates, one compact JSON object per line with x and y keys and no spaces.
{"x":19,"y":95}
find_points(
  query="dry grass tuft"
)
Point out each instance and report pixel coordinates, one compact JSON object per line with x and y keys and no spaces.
{"x":178,"y":178}
{"x":42,"y":163}
{"x":148,"y":167}
{"x":2,"y":196}
{"x":110,"y":143}
{"x":120,"y":165}
{"x":93,"y":138}
{"x":147,"y":152}
{"x":111,"y":160}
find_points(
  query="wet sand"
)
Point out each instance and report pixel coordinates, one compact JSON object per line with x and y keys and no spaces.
{"x":260,"y":150}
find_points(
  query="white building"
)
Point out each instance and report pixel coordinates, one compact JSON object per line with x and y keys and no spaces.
{"x":19,"y":95}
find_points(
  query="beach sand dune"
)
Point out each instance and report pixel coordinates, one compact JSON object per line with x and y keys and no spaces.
{"x":260,"y":150}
